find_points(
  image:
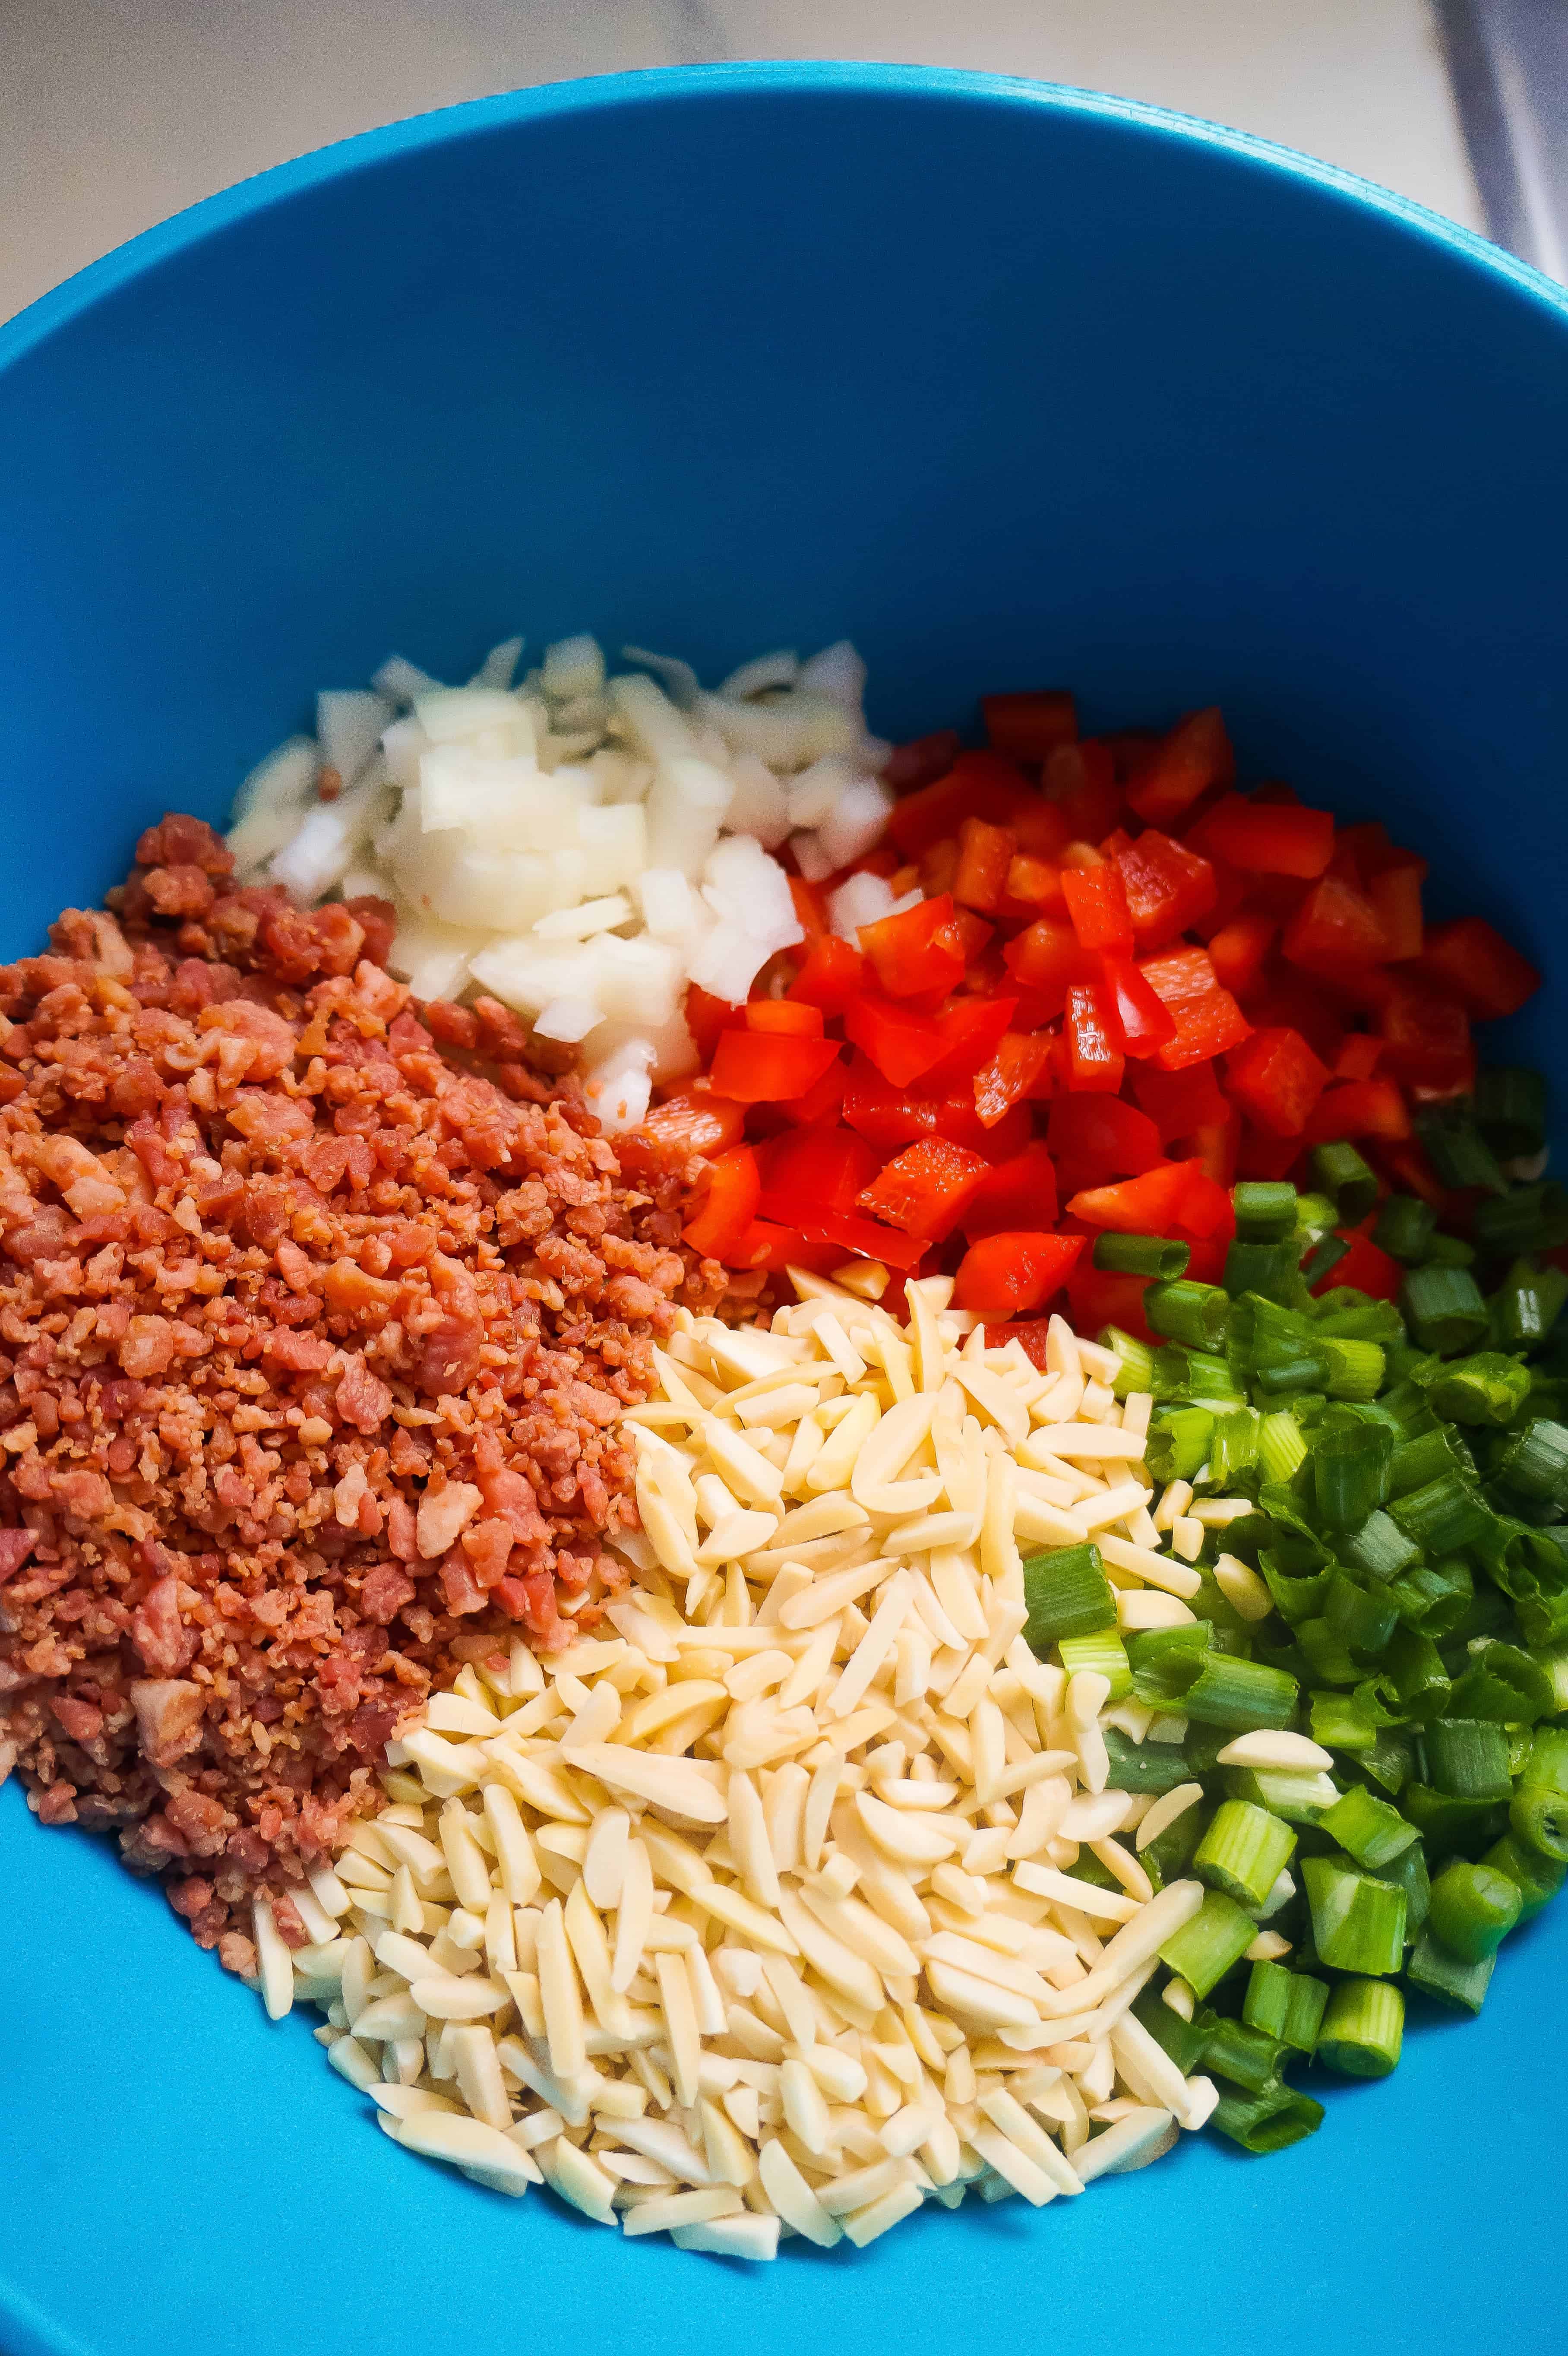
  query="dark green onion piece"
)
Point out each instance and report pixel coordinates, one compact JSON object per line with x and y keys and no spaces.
{"x":1244,"y":1852}
{"x":1178,"y":1440}
{"x":1281,"y":1448}
{"x":1135,"y":1360}
{"x":1358,"y":1924}
{"x":1546,"y":1765}
{"x":1426,"y":1457}
{"x":1444,"y":1308}
{"x":1416,"y":1665}
{"x":1408,"y":1871}
{"x":1539,"y":1821}
{"x":1534,"y":1463}
{"x":1198,"y":1315}
{"x":1340,"y":1171}
{"x":1459,"y":1154}
{"x":1450,"y":1251}
{"x":1501,"y":1683}
{"x":1379,"y":1548}
{"x":1356,"y":1369}
{"x":1328,"y":1653}
{"x":1486,"y":1388}
{"x":1473,"y":1910}
{"x":1361,"y":1617}
{"x":1404,"y":1229}
{"x":1510,"y":1111}
{"x":1268,"y":2122}
{"x":1323,"y":1258}
{"x":1068,"y":1594}
{"x":1363,"y":2029}
{"x":1339,"y":1722}
{"x":1442,"y":1515}
{"x":1141,"y":1255}
{"x":1434,"y":1596}
{"x":1166,"y":1660}
{"x":1525,"y":1219}
{"x":1466,"y":1758}
{"x":1439,"y":1974}
{"x":1247,"y":2056}
{"x":1265,"y":1210}
{"x":1205,"y":1947}
{"x":1102,"y":1653}
{"x":1446,"y":1823}
{"x":1527,"y":1304}
{"x":1368,"y":1829}
{"x":1183,"y":2040}
{"x":1299,"y":1799}
{"x":1240,"y":1694}
{"x":1286,"y":2006}
{"x":1233,"y":1446}
{"x":1268,"y":1269}
{"x":1144,"y":1766}
{"x":1350,"y":1471}
{"x":1537,"y":1879}
{"x":1389,"y":1760}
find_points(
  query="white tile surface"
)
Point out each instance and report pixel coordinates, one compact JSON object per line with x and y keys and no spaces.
{"x":114,"y":113}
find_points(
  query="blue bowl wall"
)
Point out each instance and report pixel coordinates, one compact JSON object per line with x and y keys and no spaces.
{"x":1015,"y":387}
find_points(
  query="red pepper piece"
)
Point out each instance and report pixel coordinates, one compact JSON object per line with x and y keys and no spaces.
{"x":706,"y":1017}
{"x":1032,"y":888}
{"x":1097,"y":904}
{"x":1080,"y":782}
{"x":784,"y":1018}
{"x":811,"y":909}
{"x":1146,"y":1023}
{"x":768,"y":1245}
{"x":1043,"y":831}
{"x":762,"y":1067}
{"x":1473,"y":962}
{"x":1260,"y":1156}
{"x":833,"y":972}
{"x":1020,"y":1193}
{"x":867,"y":1239}
{"x":1335,"y":927}
{"x":1048,"y":958}
{"x":921,"y":948}
{"x":1369,"y":1270}
{"x":900,"y":1043}
{"x":1267,"y":838}
{"x":1205,"y":1027}
{"x":985,"y":854}
{"x":1206,"y":1208}
{"x":694,"y":1121}
{"x":1426,"y":1038}
{"x":1359,"y":1056}
{"x":1028,"y":727}
{"x":1006,"y":1274}
{"x":1193,"y":757}
{"x":924,"y":1190}
{"x":1238,"y":949}
{"x":1168,"y":887}
{"x":975,"y":934}
{"x":1179,"y":1103}
{"x":1374,"y":1107}
{"x":922,"y":760}
{"x":889,"y":1117}
{"x":1214,"y":1145}
{"x":729,"y":1206}
{"x":1021,"y":1062}
{"x":1096,"y":1297}
{"x":1092,"y":1039}
{"x":815,"y":1105}
{"x":972,"y":1028}
{"x":978,"y":785}
{"x":1095,"y":1138}
{"x":1395,"y":895}
{"x":805,"y":1171}
{"x":1150,"y":1205}
{"x":1276,"y":1079}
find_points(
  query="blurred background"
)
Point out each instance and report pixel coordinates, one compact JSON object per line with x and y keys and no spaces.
{"x":114,"y":113}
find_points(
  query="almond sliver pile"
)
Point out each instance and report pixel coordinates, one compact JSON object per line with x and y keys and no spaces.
{"x":755,"y":1912}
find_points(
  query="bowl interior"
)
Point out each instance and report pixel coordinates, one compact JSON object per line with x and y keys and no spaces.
{"x":1014,"y":387}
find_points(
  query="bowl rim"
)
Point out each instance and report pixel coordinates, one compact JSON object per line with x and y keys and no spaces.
{"x":652,"y":86}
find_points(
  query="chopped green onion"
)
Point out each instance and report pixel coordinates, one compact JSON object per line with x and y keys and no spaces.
{"x":1466,"y":1759}
{"x":1426,"y":1457}
{"x":1439,"y":1974}
{"x":1356,"y":1369}
{"x":1268,"y":1269}
{"x":1539,"y":1821}
{"x":1442,"y":1516}
{"x":1368,"y":1829}
{"x":1459,"y":1154}
{"x":1102,"y":1653}
{"x":1350,"y":1471}
{"x":1525,"y":1219}
{"x":1247,"y":2056}
{"x":1547,"y":1764}
{"x":1450,"y":1251}
{"x":1434,"y":1596}
{"x":1068,"y":1594}
{"x":1408,"y":1872}
{"x":1281,"y":1448}
{"x":1416,"y":1665}
{"x":1379,"y":1548}
{"x":1501,"y":1683}
{"x":1323,"y":1258}
{"x":1536,"y":1878}
{"x":1473,"y":1910}
{"x":1212,"y":1382}
{"x":1510,"y":1111}
{"x":1389,"y":1760}
{"x":1340,"y":1171}
{"x":1244,"y":1852}
{"x":1527,"y":1304}
{"x":1358,"y":1924}
{"x":1134,"y":1366}
{"x":1443,"y":1308}
{"x":1271,"y":2121}
{"x":1240,"y":1694}
{"x":1265,"y":1209}
{"x":1363,"y":2029}
{"x":1404,"y":1228}
{"x":1233,"y":1446}
{"x":1534,"y":1463}
{"x":1362,"y":1618}
{"x":1485,"y":1388}
{"x":1446,"y":1823}
{"x":1183,"y":2040}
{"x":1198,"y":1315}
{"x":1205,"y":1947}
{"x":1285,"y":2006}
{"x":1328,"y":1653}
{"x":1166,"y":1660}
{"x":1178,"y":1440}
{"x":1301,"y":1798}
{"x":1141,"y":1255}
{"x":1341,"y":1722}
{"x":1153,"y":1767}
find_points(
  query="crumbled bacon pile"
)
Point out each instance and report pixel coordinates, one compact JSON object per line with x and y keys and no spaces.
{"x":314,"y":1338}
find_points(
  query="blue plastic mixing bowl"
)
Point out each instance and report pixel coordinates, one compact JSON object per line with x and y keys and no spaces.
{"x":1016,"y":387}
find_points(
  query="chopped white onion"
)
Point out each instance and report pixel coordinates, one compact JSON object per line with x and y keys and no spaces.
{"x":810,"y":857}
{"x":685,"y":807}
{"x":857,"y":821}
{"x":568,"y":1020}
{"x":498,"y":665}
{"x":670,"y":908}
{"x":402,"y":681}
{"x":681,"y":683}
{"x":349,"y":723}
{"x":758,"y":804}
{"x":815,"y":790}
{"x":324,"y":848}
{"x":282,"y":781}
{"x":789,"y":733}
{"x":764,"y":671}
{"x":655,"y":728}
{"x":861,"y":899}
{"x":837,"y":672}
{"x":588,"y":916}
{"x":573,"y":667}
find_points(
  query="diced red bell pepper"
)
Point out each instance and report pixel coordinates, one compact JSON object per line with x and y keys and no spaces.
{"x":784,"y":1017}
{"x":807,"y":1170}
{"x":1207,"y":1263}
{"x":1080,"y":782}
{"x":1258,"y":1155}
{"x":1180,"y":974}
{"x":811,"y":909}
{"x":1395,"y":895}
{"x":1426,"y":1038}
{"x":1365,"y":1266}
{"x":1043,"y":831}
{"x":1238,"y":949}
{"x":1031,"y":1333}
{"x":900,"y":1043}
{"x":1004,"y":1275}
{"x":767,"y":1245}
{"x":1206,"y":1208}
{"x":1205,"y":1027}
{"x":1374,"y":1107}
{"x":919,"y":950}
{"x":1168,"y":887}
{"x":924,"y":1190}
{"x":1097,"y":904}
{"x":832,"y":973}
{"x":1021,"y":1062}
{"x":768,"y":1068}
{"x":1276,"y":1079}
{"x":1048,"y":958}
{"x":1032,"y":888}
{"x":694,"y":1121}
{"x":816,"y":1104}
{"x":1359,"y":1056}
{"x":1092,"y":1039}
{"x":1095,"y":1138}
{"x":1267,"y":838}
{"x":1179,"y":1103}
{"x":729,"y":1206}
{"x":890,"y":1117}
{"x":975,"y":933}
{"x":1030,"y":726}
{"x":921,"y":760}
{"x":1020,"y":1193}
{"x":978,"y":785}
{"x":1194,"y":756}
{"x":867,"y":1239}
{"x":1096,"y":1297}
{"x":1472,"y":961}
{"x":1146,"y":1023}
{"x":1149,"y":1205}
{"x":1336,"y":926}
{"x":706,"y":1017}
{"x":972,"y":1029}
{"x":1214,"y":1145}
{"x":985,"y":854}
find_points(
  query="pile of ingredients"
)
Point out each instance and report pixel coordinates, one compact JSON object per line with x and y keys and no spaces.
{"x":817,"y":1473}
